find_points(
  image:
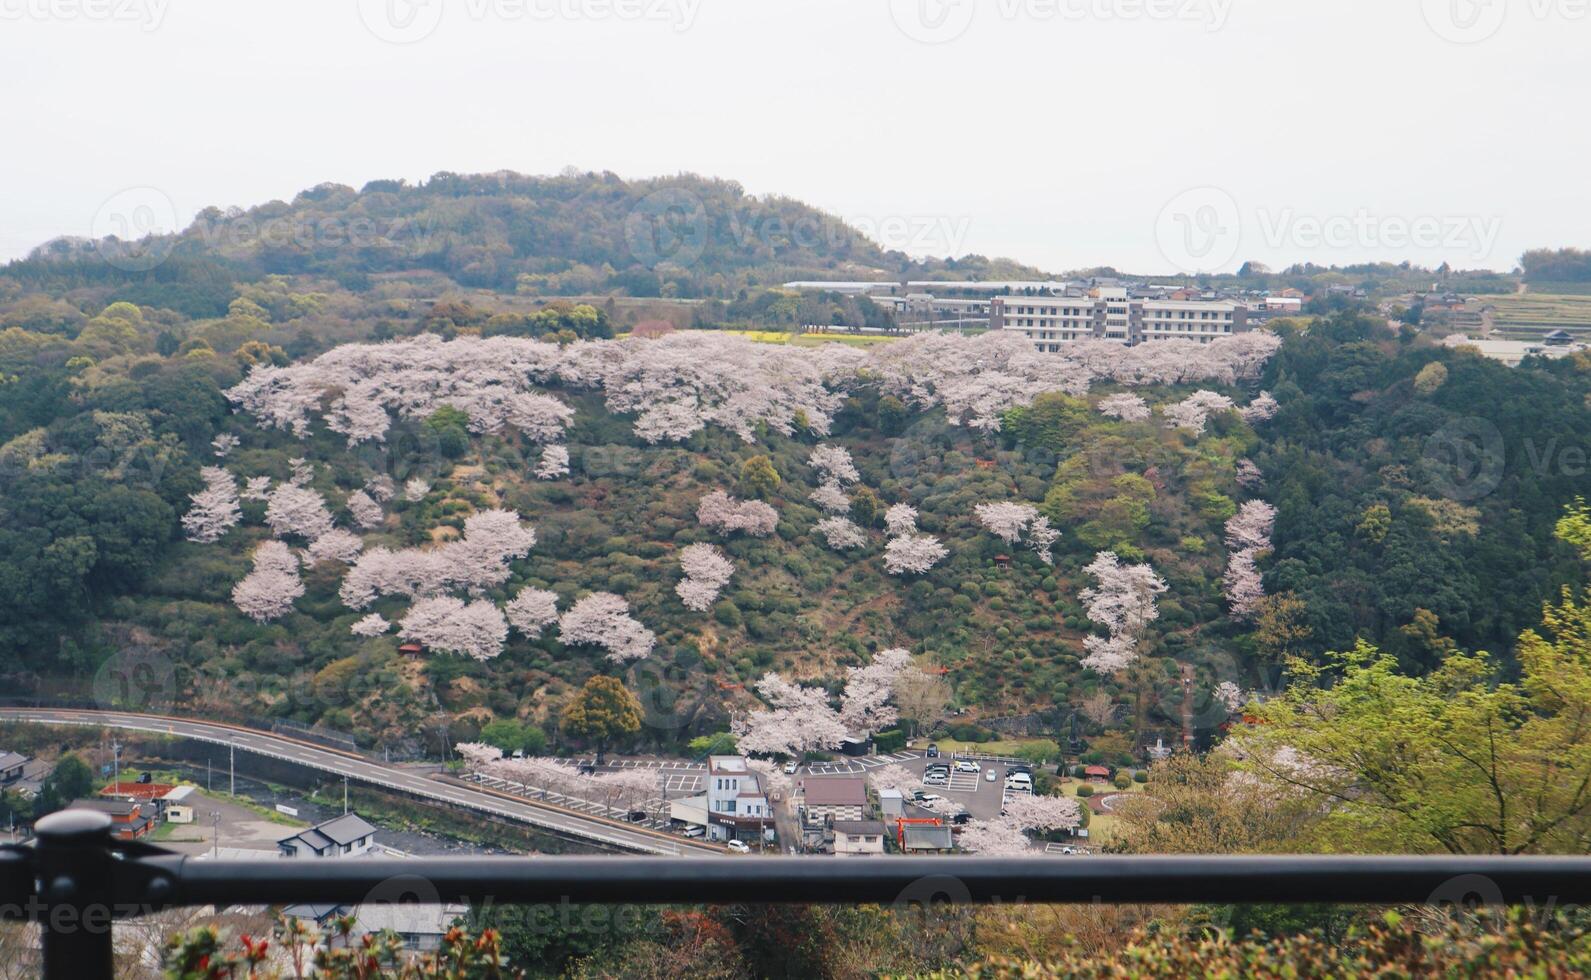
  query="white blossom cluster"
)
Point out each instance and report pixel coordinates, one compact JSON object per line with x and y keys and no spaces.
{"x":707,"y":571}
{"x":1123,"y":603}
{"x":370,"y":626}
{"x":720,"y":512}
{"x":554,"y":463}
{"x":269,"y":591}
{"x":215,"y":509}
{"x":800,"y":719}
{"x":603,"y":620}
{"x":1193,"y":414}
{"x":841,"y":533}
{"x":677,"y":385}
{"x":532,"y":611}
{"x":1011,"y":522}
{"x":367,"y":513}
{"x":477,"y":561}
{"x":1248,"y":536}
{"x":451,"y":625}
{"x":1128,"y":408}
{"x":1262,"y":409}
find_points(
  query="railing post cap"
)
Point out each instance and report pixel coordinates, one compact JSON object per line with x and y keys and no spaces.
{"x":69,"y":827}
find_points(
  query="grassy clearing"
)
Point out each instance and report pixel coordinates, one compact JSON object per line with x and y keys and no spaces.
{"x":1534,"y":314}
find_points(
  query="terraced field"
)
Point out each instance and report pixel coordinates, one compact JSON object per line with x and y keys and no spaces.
{"x":1531,"y":315}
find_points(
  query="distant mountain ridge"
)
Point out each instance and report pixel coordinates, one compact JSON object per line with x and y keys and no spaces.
{"x":575,"y":233}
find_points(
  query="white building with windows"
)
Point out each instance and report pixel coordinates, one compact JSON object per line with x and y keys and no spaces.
{"x":735,"y":806}
{"x":1111,"y":314}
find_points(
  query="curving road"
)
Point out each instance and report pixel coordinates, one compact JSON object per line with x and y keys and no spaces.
{"x":546,"y":816}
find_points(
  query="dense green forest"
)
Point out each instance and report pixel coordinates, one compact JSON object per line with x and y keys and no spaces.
{"x":1418,"y":488}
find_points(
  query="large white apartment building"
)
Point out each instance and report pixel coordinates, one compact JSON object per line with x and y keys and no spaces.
{"x":1110,"y":314}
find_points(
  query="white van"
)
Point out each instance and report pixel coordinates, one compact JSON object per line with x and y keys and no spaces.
{"x":1019,"y":780}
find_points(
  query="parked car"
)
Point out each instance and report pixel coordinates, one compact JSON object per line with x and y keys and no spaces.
{"x":790,"y":768}
{"x":961,"y":819}
{"x":919,"y":795}
{"x":933,"y":751}
{"x":966,"y":766}
{"x":695,"y":830}
{"x":936,"y":779}
{"x":1019,"y":780}
{"x":739,"y":847}
{"x":934,"y":798}
{"x":991,"y":775}
{"x":636,"y":816}
{"x":937,"y":767}
{"x":1021,"y":767}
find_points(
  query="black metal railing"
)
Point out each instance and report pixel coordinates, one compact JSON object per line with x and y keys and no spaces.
{"x":77,"y":880}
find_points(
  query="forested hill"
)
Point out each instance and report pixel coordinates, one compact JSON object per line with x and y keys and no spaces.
{"x":573,"y":234}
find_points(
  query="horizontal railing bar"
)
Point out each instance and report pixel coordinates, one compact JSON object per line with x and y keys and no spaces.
{"x":166,"y":881}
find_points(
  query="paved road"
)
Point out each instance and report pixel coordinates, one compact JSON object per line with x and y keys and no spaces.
{"x":445,"y":790}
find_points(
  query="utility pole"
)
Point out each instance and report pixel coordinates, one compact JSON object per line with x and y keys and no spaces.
{"x":215,"y":833}
{"x":116,"y":764}
{"x":209,"y":783}
{"x":232,"y":764}
{"x":345,"y":796}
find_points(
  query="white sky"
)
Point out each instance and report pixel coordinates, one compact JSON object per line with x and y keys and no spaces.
{"x":1051,"y":131}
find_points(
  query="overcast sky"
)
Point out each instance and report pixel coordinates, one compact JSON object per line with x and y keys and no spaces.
{"x":1154,"y":135}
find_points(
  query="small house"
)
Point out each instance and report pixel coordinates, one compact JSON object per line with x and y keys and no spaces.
{"x":926,"y":839}
{"x":1002,"y":562}
{"x":1097,"y":774}
{"x":129,"y":819}
{"x":349,"y":835}
{"x":859,"y":837}
{"x":836,"y":799}
{"x":11,"y":766}
{"x":178,"y":805}
{"x":412,"y":650}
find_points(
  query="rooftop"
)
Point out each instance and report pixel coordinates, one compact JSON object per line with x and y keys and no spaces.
{"x":835,"y":792}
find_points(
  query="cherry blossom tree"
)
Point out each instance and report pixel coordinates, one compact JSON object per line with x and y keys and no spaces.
{"x":474,"y":629}
{"x":1006,"y":521}
{"x":1229,"y":696}
{"x":901,"y":520}
{"x":1042,"y":813}
{"x":293,"y":510}
{"x":302,"y":469}
{"x":602,"y":619}
{"x":1193,"y":414}
{"x":1124,"y":603}
{"x":1262,"y":409}
{"x":720,"y":512}
{"x":1249,"y":476}
{"x":415,"y":490}
{"x":799,"y":720}
{"x":1042,"y":537}
{"x":257,"y":488}
{"x":1128,"y":408}
{"x":771,"y":778}
{"x":223,"y":444}
{"x":532,"y":611}
{"x":1248,"y":536}
{"x":707,"y":571}
{"x":994,"y":838}
{"x":835,"y":465}
{"x":215,"y":509}
{"x":270,"y":589}
{"x":367,"y":513}
{"x":336,"y":545}
{"x":371,"y":626}
{"x":477,"y":755}
{"x":831,"y":498}
{"x":864,"y":706}
{"x":474,"y":563}
{"x":841,"y":533}
{"x":913,"y":554}
{"x":893,"y":776}
{"x":381,"y":488}
{"x":554,"y":463}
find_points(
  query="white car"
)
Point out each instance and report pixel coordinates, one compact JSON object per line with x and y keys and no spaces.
{"x":965,"y":766}
{"x":990,"y":776}
{"x":935,"y":779}
{"x":739,"y":847}
{"x":789,"y":768}
{"x":933,"y":798}
{"x":1019,"y":780}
